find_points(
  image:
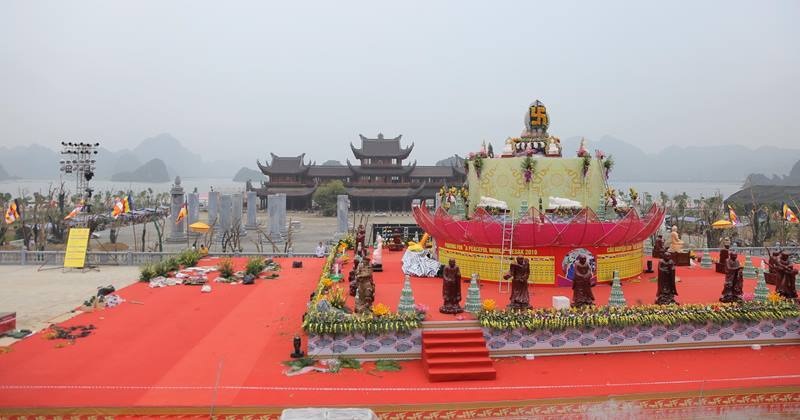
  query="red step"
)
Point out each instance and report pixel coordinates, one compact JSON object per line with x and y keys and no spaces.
{"x":449,"y":342}
{"x":465,"y":351}
{"x":453,"y":333}
{"x":456,"y":355}
{"x":461,"y":374}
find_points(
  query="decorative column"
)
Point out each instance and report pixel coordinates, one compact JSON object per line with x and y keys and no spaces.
{"x":282,"y":213}
{"x":273,"y":213}
{"x":406,"y":304}
{"x":193,"y":204}
{"x":225,"y":216}
{"x":617,"y":298}
{"x":177,"y":230}
{"x":252,"y":200}
{"x":237,"y":213}
{"x":749,"y":271}
{"x":473,"y":304}
{"x":705,"y":260}
{"x":342,"y":209}
{"x":213,"y":207}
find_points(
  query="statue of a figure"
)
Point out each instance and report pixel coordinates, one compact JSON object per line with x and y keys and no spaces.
{"x":787,"y":273}
{"x":508,"y":149}
{"x":675,"y":243}
{"x":519,"y":272}
{"x":361,"y":236}
{"x":490,"y":151}
{"x":666,"y":281}
{"x":721,"y":266}
{"x":553,"y":147}
{"x":658,"y":247}
{"x":451,"y":289}
{"x":377,"y":255}
{"x":366,"y":287}
{"x":351,"y":277}
{"x":582,"y":148}
{"x":773,"y":275}
{"x":732,"y":291}
{"x":582,"y":283}
{"x":248,"y":186}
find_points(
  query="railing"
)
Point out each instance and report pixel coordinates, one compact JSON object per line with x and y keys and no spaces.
{"x":94,"y":258}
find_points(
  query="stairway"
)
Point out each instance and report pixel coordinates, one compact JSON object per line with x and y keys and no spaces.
{"x":456,"y":355}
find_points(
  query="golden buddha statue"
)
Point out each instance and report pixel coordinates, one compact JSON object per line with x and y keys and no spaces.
{"x":675,"y":243}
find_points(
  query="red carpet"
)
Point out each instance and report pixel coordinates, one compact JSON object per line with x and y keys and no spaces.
{"x":194,"y":351}
{"x":696,"y":285}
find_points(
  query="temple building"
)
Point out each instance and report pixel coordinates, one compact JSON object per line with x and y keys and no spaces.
{"x":380,"y":182}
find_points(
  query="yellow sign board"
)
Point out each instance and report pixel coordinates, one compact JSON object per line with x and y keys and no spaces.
{"x":77,"y":242}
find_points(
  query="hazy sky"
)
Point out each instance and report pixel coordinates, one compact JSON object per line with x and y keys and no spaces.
{"x":241,"y":79}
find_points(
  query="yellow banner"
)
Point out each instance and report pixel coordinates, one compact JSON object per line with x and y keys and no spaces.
{"x":77,"y":242}
{"x":488,"y":266}
{"x":629,"y":264}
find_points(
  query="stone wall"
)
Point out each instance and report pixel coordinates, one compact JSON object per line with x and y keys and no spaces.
{"x":729,"y":334}
{"x":406,"y":345}
{"x":518,"y":342}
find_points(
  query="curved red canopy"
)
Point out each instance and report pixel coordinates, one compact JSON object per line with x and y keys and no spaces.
{"x":537,"y":230}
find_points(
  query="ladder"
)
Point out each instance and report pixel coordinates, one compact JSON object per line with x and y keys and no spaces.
{"x":506,"y":250}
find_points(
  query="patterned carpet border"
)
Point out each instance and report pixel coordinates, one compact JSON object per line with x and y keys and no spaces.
{"x":753,"y":402}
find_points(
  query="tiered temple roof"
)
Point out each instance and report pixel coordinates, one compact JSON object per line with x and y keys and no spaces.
{"x":382,"y":171}
{"x":381,"y":181}
{"x":381,"y":147}
{"x":285,"y":165}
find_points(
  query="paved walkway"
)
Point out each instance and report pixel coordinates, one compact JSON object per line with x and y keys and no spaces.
{"x":40,"y":296}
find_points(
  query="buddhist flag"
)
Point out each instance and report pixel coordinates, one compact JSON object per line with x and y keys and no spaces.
{"x":118,"y":208}
{"x":181,"y":214}
{"x":74,"y":212}
{"x":126,"y":206}
{"x":788,"y":214}
{"x":12,"y":214}
{"x":732,"y":216}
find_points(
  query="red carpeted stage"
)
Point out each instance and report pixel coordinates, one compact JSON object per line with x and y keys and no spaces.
{"x":182,"y":352}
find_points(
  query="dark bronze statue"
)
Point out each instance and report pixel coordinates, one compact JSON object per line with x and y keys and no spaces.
{"x":451,"y":289}
{"x":361,"y":237}
{"x":722,"y":265}
{"x":658,"y":247}
{"x":786,"y":286}
{"x":366,"y":287}
{"x":519,"y":272}
{"x":666,"y":281}
{"x":582,"y":283}
{"x":773,"y":275}
{"x":732,"y":291}
{"x":351,"y":277}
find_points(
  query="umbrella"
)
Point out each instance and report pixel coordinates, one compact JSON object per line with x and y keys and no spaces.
{"x":722,"y":224}
{"x":199,"y":227}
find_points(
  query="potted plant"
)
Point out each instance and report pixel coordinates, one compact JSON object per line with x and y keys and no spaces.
{"x":528,"y":168}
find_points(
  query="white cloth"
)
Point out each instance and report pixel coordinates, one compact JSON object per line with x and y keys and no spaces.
{"x":492,"y":202}
{"x":320,"y":251}
{"x":419,"y":264}
{"x":559,"y":202}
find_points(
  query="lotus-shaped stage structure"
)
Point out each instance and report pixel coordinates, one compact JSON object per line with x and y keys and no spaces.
{"x":483,"y":243}
{"x":499,"y":214}
{"x":539,"y":230}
